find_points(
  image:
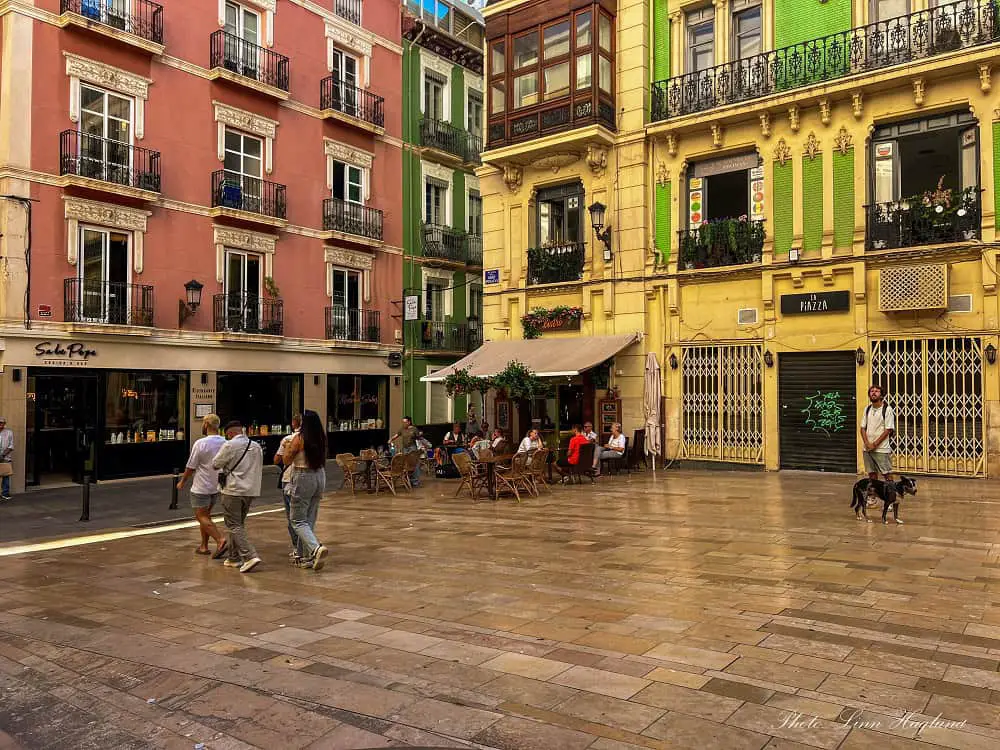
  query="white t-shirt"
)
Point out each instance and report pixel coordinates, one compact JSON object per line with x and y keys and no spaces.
{"x":873,"y":423}
{"x":529,"y":445}
{"x":591,"y":436}
{"x":206,"y":478}
{"x":617,"y":442}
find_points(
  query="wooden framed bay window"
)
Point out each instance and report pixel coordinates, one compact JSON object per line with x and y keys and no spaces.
{"x":552,"y":74}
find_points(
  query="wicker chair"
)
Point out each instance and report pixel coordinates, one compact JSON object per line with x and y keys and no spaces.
{"x":352,"y":472}
{"x":473,"y":475}
{"x":537,"y":467}
{"x":389,"y":476}
{"x":411,"y":463}
{"x":515,"y":479}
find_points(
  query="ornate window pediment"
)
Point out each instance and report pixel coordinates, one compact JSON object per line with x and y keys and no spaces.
{"x":344,"y":258}
{"x":109,"y":77}
{"x":242,"y":239}
{"x":127,"y":219}
{"x":266,"y":128}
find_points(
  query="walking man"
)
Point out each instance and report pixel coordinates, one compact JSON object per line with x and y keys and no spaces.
{"x":406,"y":442}
{"x":877,"y":427}
{"x":205,"y":487}
{"x":241,"y":460}
{"x":285,"y":467}
{"x":6,"y":458}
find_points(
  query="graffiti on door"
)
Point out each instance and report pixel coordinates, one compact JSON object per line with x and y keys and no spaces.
{"x":824,"y":412}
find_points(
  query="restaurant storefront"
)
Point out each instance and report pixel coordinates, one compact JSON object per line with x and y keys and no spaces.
{"x":114,"y":406}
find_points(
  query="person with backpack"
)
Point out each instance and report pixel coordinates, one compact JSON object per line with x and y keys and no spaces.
{"x":877,"y":427}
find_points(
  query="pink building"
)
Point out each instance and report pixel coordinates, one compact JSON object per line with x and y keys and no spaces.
{"x":215,"y":225}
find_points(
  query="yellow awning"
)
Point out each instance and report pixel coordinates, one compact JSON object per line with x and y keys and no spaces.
{"x":547,"y":357}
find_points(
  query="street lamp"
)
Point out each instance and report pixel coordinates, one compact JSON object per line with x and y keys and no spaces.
{"x":186,"y":308}
{"x":597,"y":210}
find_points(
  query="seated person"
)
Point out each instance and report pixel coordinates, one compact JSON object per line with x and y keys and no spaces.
{"x":452,"y":439}
{"x":615,"y":447}
{"x":572,"y":452}
{"x":476,"y":443}
{"x":532,"y":442}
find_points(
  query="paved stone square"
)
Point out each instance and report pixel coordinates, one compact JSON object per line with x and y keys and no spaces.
{"x":695,"y":610}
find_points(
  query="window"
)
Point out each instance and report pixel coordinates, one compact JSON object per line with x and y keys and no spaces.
{"x":604,"y":27}
{"x":475,"y":213}
{"x":433,"y":97}
{"x":525,"y":56}
{"x":439,"y":403}
{"x":556,"y":40}
{"x":725,"y":189}
{"x":242,"y":22}
{"x":435,"y":203}
{"x":243,"y":166}
{"x":244,"y":275}
{"x":103,"y":271}
{"x":345,"y":82}
{"x":526,"y":50}
{"x":883,"y":10}
{"x":105,"y":134}
{"x":434,"y":300}
{"x":583,"y":30}
{"x":604,"y":76}
{"x":356,"y":402}
{"x":497,"y":98}
{"x":498,"y":65}
{"x":701,"y":39}
{"x":240,"y":53}
{"x":348,"y":182}
{"x":560,"y":215}
{"x":746,"y":31}
{"x":475,"y":114}
{"x":346,"y":288}
{"x":150,"y":406}
{"x":475,"y":301}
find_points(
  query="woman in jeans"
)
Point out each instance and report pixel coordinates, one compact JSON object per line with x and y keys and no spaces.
{"x":306,"y":453}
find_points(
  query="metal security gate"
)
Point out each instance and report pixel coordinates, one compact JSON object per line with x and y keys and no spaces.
{"x":818,"y":421}
{"x":935,"y":386}
{"x":723,"y":403}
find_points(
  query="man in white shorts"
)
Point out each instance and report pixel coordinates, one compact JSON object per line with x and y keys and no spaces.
{"x":877,"y":427}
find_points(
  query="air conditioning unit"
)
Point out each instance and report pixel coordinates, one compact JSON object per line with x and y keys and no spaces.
{"x":960,"y":303}
{"x":746,"y":316}
{"x":908,"y":288}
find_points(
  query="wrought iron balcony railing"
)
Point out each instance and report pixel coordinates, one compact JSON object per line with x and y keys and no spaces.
{"x":954,"y":216}
{"x":352,"y":218}
{"x":249,"y":60}
{"x":351,"y":324}
{"x":107,"y":160}
{"x":442,"y":337}
{"x":108,"y":302}
{"x":723,"y":242}
{"x":906,"y":39}
{"x":349,"y":10}
{"x":446,"y":137}
{"x":474,"y":338}
{"x":474,"y":256}
{"x":248,"y":313}
{"x":139,"y":17}
{"x":351,"y":100}
{"x":556,"y":263}
{"x":445,"y":243}
{"x":242,"y":193}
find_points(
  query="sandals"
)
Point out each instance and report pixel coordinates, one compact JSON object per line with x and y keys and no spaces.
{"x":221,"y":552}
{"x":202,"y":551}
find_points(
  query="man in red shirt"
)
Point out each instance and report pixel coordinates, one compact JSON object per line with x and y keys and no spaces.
{"x":572,"y":452}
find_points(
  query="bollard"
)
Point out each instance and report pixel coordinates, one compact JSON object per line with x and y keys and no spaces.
{"x":85,"y":514}
{"x":173,"y":489}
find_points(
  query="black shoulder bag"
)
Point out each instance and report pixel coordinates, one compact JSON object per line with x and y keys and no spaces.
{"x":224,"y":475}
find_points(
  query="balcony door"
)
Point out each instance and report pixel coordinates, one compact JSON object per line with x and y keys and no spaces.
{"x":433,"y":97}
{"x":105,"y":135}
{"x":345,"y":82}
{"x":244,"y":276}
{"x":346,"y":304}
{"x":560,"y":218}
{"x":243,"y":40}
{"x":102,"y":294}
{"x":244,"y":165}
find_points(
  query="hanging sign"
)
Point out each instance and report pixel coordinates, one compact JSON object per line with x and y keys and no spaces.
{"x":696,"y":202}
{"x":815,"y":302}
{"x":411,"y":307}
{"x":757,"y":194}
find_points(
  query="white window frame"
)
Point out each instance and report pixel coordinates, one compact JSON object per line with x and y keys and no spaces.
{"x":442,"y":68}
{"x":122,"y":218}
{"x":437,"y":173}
{"x":347,"y":270}
{"x":107,"y":118}
{"x":361,"y":183}
{"x":363,"y":263}
{"x":431,"y":369}
{"x":350,"y":156}
{"x":244,"y":136}
{"x":100,"y":75}
{"x":340,"y":83}
{"x":474,"y":84}
{"x":267,"y":27}
{"x":443,"y":276}
{"x":106,"y":232}
{"x":229,"y":252}
{"x":472,"y":185}
{"x":468,"y":300}
{"x":343,"y":35}
{"x":431,"y":182}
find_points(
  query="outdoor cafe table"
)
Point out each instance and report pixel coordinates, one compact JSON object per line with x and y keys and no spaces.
{"x":491,"y":471}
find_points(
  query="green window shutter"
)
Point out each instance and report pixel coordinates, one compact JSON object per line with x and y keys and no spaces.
{"x":662,"y":219}
{"x":996,"y":167}
{"x":783,"y":228}
{"x":458,"y":97}
{"x":797,"y":21}
{"x":843,"y":199}
{"x":458,"y":200}
{"x":661,"y":41}
{"x":812,"y":202}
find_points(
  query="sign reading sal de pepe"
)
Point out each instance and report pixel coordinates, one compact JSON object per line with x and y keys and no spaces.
{"x":64,"y":354}
{"x":815,"y":302}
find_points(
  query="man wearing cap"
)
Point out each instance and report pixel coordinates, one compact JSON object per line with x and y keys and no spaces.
{"x":6,"y":457}
{"x":241,"y":460}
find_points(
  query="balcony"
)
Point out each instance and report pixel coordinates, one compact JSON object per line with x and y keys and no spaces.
{"x":107,"y":302}
{"x":352,"y":104}
{"x":555,"y":264}
{"x":352,"y":324}
{"x":721,"y":242}
{"x":474,"y":338}
{"x":443,"y":136}
{"x":436,"y":336}
{"x":474,"y":257}
{"x":135,"y":22}
{"x":236,"y":312}
{"x":248,"y":198}
{"x":444,"y":243}
{"x":947,"y":216}
{"x":353,"y":219}
{"x":349,"y":10}
{"x":546,"y":120}
{"x":248,"y":64}
{"x":104,"y":164}
{"x":907,"y":39}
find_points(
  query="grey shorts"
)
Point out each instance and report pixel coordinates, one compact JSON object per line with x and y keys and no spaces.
{"x":877,"y":463}
{"x":203,"y":501}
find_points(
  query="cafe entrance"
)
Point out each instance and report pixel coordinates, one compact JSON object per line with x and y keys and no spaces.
{"x":62,"y":412}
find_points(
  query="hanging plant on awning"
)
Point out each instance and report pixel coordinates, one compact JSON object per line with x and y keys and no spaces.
{"x":540,"y":318}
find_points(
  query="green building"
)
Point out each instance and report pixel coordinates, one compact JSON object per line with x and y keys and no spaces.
{"x":442,"y":207}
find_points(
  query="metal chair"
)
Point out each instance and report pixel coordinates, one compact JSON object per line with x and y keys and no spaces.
{"x":618,"y":462}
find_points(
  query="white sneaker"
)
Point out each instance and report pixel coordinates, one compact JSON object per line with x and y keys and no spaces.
{"x":319,"y":560}
{"x":899,"y":520}
{"x":249,"y":565}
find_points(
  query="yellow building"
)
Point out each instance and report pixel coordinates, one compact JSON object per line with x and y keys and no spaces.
{"x":801,"y":201}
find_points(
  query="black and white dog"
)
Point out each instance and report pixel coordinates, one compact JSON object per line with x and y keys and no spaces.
{"x":889,"y":492}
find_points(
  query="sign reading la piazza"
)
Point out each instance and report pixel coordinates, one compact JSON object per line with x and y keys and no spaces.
{"x":64,"y":354}
{"x":815,"y":302}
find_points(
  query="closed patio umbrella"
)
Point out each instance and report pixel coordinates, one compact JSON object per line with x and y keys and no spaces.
{"x":651,"y":407}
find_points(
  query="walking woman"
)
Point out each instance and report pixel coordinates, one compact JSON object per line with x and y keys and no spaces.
{"x":306,"y":453}
{"x":205,"y":488}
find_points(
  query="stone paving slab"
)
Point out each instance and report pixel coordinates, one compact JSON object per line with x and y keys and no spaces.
{"x":710,"y":611}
